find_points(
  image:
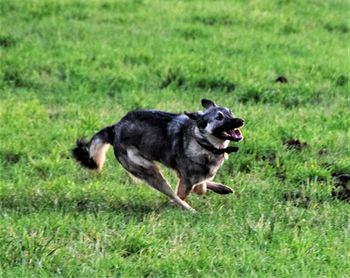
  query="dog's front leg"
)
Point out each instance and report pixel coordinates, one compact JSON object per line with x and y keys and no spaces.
{"x":183,"y":189}
{"x":219,"y":188}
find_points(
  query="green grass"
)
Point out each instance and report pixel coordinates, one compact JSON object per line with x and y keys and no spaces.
{"x":69,"y":68}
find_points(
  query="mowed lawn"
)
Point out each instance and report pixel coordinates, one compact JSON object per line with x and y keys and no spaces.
{"x":69,"y":68}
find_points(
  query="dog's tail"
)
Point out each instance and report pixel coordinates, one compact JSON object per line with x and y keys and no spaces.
{"x":92,"y":154}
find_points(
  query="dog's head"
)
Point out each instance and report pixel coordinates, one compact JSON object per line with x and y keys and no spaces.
{"x":217,"y":121}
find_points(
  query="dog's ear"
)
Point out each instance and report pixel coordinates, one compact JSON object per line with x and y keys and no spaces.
{"x":197,"y":117}
{"x":207,"y":103}
{"x":193,"y":116}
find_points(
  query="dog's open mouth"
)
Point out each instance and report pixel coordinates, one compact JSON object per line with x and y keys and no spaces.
{"x":230,"y":131}
{"x":233,"y":134}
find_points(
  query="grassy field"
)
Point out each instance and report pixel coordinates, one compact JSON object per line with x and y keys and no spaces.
{"x":69,"y":68}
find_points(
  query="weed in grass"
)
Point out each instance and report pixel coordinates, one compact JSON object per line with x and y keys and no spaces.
{"x":341,"y":189}
{"x":7,"y":41}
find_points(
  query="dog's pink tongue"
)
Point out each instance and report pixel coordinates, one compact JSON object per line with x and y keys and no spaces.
{"x":236,"y":133}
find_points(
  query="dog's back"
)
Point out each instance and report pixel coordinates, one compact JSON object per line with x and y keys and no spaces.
{"x":157,"y":135}
{"x":154,"y":133}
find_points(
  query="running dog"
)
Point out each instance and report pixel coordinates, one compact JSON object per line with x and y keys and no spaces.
{"x":194,"y":145}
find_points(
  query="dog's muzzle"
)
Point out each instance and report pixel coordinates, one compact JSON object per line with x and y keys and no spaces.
{"x":230,"y":130}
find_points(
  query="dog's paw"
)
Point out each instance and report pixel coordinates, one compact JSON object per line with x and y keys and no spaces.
{"x":219,"y":188}
{"x":191,"y":210}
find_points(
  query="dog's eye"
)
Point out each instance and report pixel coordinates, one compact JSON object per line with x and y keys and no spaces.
{"x":219,"y":116}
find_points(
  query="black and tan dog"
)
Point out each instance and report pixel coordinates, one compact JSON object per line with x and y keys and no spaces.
{"x":192,"y":144}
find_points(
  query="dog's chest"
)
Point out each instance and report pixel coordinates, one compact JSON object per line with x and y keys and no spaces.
{"x":204,"y":164}
{"x":201,"y":164}
{"x":212,"y":165}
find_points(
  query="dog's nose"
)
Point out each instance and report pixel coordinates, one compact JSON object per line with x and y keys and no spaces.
{"x":239,"y":122}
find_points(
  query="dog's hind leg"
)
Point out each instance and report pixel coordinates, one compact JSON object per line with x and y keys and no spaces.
{"x":148,"y":171}
{"x":155,"y":179}
{"x":219,"y":188}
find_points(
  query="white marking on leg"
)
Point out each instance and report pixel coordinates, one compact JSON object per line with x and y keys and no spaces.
{"x":135,"y":157}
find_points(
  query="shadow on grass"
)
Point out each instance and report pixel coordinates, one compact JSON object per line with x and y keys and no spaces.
{"x":90,"y":205}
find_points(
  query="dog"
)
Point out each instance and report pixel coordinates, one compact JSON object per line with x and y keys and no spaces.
{"x":194,"y":145}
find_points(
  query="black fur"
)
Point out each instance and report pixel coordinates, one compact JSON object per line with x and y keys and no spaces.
{"x":81,"y":151}
{"x":81,"y":154}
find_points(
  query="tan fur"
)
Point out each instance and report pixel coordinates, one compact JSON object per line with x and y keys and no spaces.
{"x":200,"y":188}
{"x":98,"y":152}
{"x":181,"y":190}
